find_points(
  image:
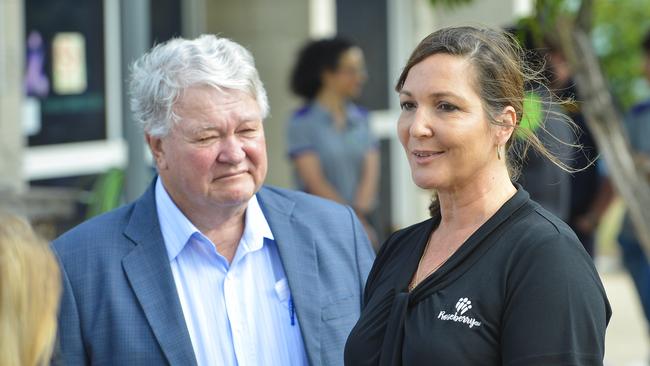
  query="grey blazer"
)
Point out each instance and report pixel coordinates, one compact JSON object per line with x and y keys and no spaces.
{"x":120,"y":305}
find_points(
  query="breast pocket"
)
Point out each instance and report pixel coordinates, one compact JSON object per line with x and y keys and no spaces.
{"x":282,"y":291}
{"x":342,"y":307}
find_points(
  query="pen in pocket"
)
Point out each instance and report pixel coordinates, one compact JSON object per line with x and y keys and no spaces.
{"x":292,"y":311}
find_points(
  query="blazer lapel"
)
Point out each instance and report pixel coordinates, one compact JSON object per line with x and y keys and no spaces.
{"x":298,"y":253}
{"x":149,"y":273}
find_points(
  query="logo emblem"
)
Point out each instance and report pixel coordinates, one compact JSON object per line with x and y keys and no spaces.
{"x":463,"y":305}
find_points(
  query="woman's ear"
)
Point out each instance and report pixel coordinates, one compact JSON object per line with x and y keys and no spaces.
{"x":508,"y":120}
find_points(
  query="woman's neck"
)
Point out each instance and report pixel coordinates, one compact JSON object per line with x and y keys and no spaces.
{"x":473,"y":204}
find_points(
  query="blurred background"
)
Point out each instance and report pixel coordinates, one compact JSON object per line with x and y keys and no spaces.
{"x":69,"y":148}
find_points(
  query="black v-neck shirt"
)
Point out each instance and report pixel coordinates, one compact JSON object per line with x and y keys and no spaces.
{"x":520,"y":291}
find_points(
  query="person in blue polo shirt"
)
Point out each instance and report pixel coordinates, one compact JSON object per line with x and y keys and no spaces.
{"x":332,"y":150}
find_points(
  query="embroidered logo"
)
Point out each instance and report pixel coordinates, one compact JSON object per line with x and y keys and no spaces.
{"x":462,"y":306}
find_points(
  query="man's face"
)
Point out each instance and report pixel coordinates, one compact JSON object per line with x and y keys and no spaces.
{"x":215,"y":156}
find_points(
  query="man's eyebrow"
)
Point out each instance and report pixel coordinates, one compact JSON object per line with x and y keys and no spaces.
{"x":211,"y":128}
{"x":204,"y":128}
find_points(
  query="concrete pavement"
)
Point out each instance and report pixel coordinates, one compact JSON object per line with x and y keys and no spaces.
{"x":627,"y":342}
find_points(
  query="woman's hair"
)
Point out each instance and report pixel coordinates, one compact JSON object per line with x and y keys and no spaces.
{"x":501,"y":78}
{"x":30,"y":288}
{"x":313,"y":59}
{"x":159,"y":77}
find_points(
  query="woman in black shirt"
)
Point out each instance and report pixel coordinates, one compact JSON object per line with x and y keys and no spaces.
{"x":492,"y":278}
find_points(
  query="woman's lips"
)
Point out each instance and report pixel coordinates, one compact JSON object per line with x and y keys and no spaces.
{"x":424,"y":156}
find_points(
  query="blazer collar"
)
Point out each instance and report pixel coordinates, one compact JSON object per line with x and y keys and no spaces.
{"x":149,"y":273}
{"x":298,"y":254}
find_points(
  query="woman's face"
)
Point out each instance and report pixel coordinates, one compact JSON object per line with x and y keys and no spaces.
{"x":350,"y":75}
{"x":443,"y":127}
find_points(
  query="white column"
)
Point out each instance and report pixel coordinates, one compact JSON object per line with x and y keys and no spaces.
{"x":113,"y":70}
{"x":136,"y":40}
{"x":193,"y":22}
{"x":522,"y":8}
{"x":405,"y":19}
{"x":322,"y":18}
{"x":11,"y":98}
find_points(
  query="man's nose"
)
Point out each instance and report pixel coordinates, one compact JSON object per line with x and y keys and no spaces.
{"x":231,"y":151}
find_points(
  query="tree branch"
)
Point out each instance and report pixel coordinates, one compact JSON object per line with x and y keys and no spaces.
{"x":585,"y":15}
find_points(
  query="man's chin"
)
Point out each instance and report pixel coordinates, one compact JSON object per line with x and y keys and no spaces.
{"x":234,"y":198}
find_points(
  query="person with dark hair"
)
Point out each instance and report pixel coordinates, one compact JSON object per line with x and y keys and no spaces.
{"x":331,"y":147}
{"x":635,"y":259}
{"x":492,"y":278}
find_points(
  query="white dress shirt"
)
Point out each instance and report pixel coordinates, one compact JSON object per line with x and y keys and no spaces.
{"x":239,"y":313}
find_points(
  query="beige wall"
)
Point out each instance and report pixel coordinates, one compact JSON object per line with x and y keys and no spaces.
{"x":273,"y":31}
{"x":11,"y":60}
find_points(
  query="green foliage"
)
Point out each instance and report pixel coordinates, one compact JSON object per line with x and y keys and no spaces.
{"x":450,"y":3}
{"x":532,"y":118}
{"x":106,"y":193}
{"x":619,"y":27}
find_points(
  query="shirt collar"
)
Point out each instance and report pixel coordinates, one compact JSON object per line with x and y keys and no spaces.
{"x":175,"y":226}
{"x":256,"y":227}
{"x":177,"y":229}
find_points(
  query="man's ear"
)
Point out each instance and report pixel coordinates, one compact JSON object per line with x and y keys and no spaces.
{"x":156,"y":147}
{"x":508,"y":119}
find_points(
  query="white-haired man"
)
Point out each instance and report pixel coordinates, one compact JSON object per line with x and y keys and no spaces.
{"x":210,"y":267}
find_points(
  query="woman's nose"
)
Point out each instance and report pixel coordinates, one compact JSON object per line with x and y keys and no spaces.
{"x":421,"y":125}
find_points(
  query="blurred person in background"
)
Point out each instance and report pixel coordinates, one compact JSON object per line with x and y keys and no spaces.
{"x":333,"y":151}
{"x":546,"y":181}
{"x":209,"y":266}
{"x":30,"y":289}
{"x":590,"y":193}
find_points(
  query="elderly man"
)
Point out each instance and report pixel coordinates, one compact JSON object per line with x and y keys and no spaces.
{"x":210,"y":267}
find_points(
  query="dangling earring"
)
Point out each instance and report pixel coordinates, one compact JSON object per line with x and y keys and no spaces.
{"x":499,"y":152}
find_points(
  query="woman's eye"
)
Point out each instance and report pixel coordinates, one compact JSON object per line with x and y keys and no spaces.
{"x":407,"y":106}
{"x":444,"y":106}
